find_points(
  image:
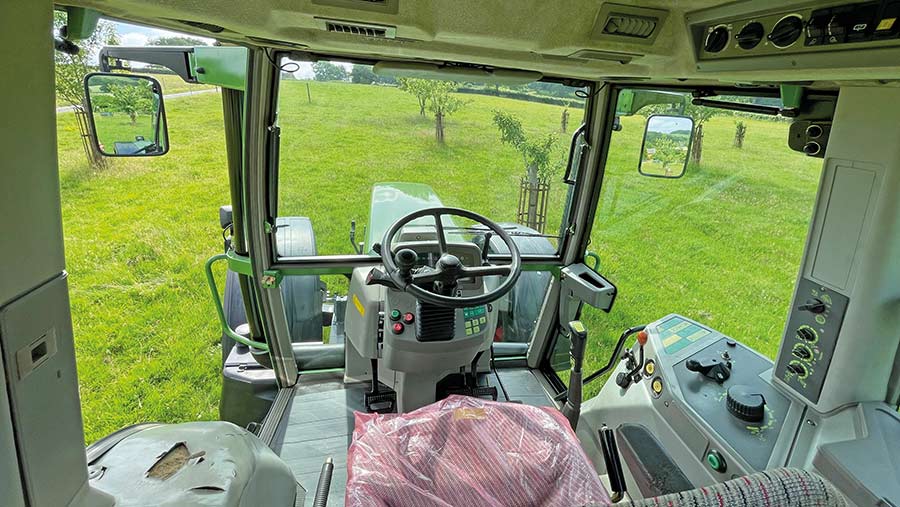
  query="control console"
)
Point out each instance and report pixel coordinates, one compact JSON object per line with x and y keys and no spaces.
{"x":810,"y":338}
{"x":825,"y":26}
{"x":725,"y":386}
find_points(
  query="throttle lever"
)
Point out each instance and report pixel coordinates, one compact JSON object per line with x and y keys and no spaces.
{"x":710,"y":368}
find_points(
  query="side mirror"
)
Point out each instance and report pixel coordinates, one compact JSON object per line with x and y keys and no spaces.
{"x":126,"y":115}
{"x":666,"y":146}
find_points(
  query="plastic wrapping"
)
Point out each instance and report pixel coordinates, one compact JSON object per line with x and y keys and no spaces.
{"x":466,"y":451}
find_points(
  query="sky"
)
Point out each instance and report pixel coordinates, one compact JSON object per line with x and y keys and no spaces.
{"x":133,"y":35}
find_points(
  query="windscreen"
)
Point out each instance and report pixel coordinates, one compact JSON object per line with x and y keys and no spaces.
{"x":360,"y":150}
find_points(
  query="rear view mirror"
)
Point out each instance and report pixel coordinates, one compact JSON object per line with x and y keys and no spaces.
{"x":667,"y":144}
{"x":126,"y":114}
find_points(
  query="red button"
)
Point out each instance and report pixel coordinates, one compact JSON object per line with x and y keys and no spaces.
{"x":397,"y":328}
{"x":409,"y":318}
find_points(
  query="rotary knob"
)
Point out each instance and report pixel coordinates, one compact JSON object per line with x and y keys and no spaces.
{"x":786,"y":31}
{"x":716,"y":39}
{"x":746,"y":404}
{"x":751,"y":35}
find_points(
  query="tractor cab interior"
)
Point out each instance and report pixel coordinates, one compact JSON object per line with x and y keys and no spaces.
{"x":399,"y":329}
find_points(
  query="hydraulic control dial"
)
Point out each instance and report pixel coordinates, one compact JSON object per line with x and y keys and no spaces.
{"x":797,"y":368}
{"x":801,"y":351}
{"x":716,"y":39}
{"x":746,"y":404}
{"x":814,"y":305}
{"x":808,"y":334}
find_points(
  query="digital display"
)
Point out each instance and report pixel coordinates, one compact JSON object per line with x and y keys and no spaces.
{"x":677,"y":333}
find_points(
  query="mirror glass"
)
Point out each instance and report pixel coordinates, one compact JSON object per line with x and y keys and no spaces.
{"x":667,"y":144}
{"x":127,"y":115}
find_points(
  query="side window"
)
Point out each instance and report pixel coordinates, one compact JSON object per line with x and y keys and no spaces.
{"x":721,"y":244}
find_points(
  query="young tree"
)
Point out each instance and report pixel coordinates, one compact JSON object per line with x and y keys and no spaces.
{"x":537,"y":156}
{"x":418,"y":88}
{"x":362,"y":74}
{"x":327,"y":71}
{"x":536,"y":151}
{"x":131,"y":100}
{"x":740,"y":130}
{"x":442,"y":104}
{"x":667,"y":152}
{"x":701,"y":115}
{"x":70,"y":72}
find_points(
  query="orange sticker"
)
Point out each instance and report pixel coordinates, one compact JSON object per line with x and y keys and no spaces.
{"x":466,"y":413}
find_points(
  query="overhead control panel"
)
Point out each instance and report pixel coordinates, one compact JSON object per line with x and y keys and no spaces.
{"x":820,"y":26}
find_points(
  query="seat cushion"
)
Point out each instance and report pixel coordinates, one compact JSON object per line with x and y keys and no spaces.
{"x":468,"y":451}
{"x":193,"y":464}
{"x":780,"y":487}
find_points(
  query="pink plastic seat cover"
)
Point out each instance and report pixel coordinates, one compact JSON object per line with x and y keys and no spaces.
{"x":467,"y":451}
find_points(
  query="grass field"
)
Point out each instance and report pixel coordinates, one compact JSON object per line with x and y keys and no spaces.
{"x":720,"y":244}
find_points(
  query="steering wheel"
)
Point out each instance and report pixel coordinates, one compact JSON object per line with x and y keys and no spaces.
{"x":448,"y":269}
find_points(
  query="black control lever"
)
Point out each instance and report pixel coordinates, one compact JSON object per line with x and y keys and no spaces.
{"x":406,"y":260}
{"x":710,"y":368}
{"x":578,"y":339}
{"x":484,"y":249}
{"x":379,"y":277}
{"x":613,"y":464}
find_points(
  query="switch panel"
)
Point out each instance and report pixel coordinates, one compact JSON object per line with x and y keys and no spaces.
{"x":811,"y":335}
{"x":811,"y":29}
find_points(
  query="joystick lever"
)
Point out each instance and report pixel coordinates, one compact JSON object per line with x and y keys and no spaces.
{"x":406,"y":260}
{"x":710,"y":368}
{"x":578,"y":337}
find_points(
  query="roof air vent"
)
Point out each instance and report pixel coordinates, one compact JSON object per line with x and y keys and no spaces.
{"x":630,"y":26}
{"x":364,"y":30}
{"x":624,"y":23}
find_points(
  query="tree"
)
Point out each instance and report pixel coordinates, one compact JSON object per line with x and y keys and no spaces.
{"x":362,"y":74}
{"x":537,"y":157}
{"x":667,"y":152}
{"x":327,"y":71}
{"x":442,"y":104}
{"x":176,"y":40}
{"x":740,"y":130}
{"x":131,"y":99}
{"x":419,"y":88}
{"x":70,"y":73}
{"x":536,"y":151}
{"x":701,"y":115}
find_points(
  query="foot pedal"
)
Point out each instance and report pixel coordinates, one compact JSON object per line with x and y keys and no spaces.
{"x":476,"y":392}
{"x":383,"y":401}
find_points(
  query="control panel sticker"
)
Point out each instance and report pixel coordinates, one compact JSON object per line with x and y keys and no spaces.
{"x":475,"y":320}
{"x":677,"y":333}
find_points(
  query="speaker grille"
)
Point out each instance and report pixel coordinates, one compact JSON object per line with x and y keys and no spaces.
{"x":434,"y":323}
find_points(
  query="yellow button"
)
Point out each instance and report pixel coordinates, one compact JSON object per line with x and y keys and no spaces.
{"x":657,"y":386}
{"x":483,"y":320}
{"x":477,"y":329}
{"x":468,"y":332}
{"x":649,"y":368}
{"x":468,"y":323}
{"x":886,"y":24}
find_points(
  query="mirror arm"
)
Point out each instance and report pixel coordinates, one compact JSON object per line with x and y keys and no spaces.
{"x":174,"y":58}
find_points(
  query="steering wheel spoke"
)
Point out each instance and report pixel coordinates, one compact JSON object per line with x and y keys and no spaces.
{"x":489,"y":270}
{"x":426,"y":276}
{"x":439,"y":232}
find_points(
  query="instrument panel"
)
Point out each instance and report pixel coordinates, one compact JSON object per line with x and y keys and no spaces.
{"x":818,"y":27}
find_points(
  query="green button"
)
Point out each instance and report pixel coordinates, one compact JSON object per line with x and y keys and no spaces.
{"x":395,"y":314}
{"x":716,"y":462}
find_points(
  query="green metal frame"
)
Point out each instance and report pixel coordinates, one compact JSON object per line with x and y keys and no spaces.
{"x":217,"y":300}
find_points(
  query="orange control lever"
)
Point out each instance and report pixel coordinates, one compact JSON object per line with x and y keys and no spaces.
{"x":642,"y":337}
